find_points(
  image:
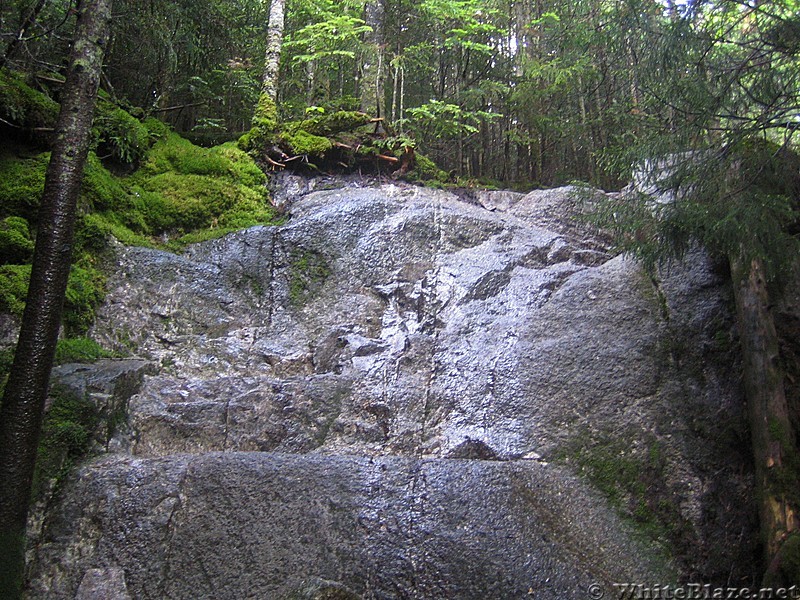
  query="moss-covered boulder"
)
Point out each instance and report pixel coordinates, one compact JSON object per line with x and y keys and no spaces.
{"x":340,"y":140}
{"x":22,"y":106}
{"x":182,"y":187}
{"x":16,"y":245}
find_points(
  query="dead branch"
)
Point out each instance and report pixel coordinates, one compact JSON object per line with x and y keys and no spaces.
{"x":275,"y":163}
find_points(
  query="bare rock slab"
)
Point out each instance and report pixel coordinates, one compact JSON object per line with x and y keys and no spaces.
{"x":261,"y":525}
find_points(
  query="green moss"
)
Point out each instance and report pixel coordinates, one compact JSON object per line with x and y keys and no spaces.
{"x":790,"y":561}
{"x":174,"y":154}
{"x":79,"y":350}
{"x":183,"y":187}
{"x":14,"y":287}
{"x":16,"y":245}
{"x":633,"y":481}
{"x":188,"y":201}
{"x":266,"y":114}
{"x":265,"y":126}
{"x":307,"y":272}
{"x":95,"y":229}
{"x":247,"y":142}
{"x":6,"y":358}
{"x":312,"y":136}
{"x":84,"y":293}
{"x":100,"y":190}
{"x":21,"y":185}
{"x":157,"y":130}
{"x":180,"y":189}
{"x":67,"y":433}
{"x":241,"y":167}
{"x":426,"y":170}
{"x":336,"y":122}
{"x":784,"y":479}
{"x":24,"y":106}
{"x":784,"y":570}
{"x":301,"y":141}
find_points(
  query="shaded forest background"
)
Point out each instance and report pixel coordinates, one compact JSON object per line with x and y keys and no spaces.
{"x":532,"y":92}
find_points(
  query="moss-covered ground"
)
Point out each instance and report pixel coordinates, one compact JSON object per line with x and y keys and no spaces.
{"x":143,"y":185}
{"x":335,"y":141}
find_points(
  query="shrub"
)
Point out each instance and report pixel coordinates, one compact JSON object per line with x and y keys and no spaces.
{"x":119,"y":134}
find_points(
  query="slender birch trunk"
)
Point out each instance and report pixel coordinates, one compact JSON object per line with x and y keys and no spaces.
{"x":272,"y":59}
{"x":372,"y":68}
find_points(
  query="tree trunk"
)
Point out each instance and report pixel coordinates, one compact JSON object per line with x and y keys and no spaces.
{"x":265,"y":118}
{"x":772,"y":435}
{"x":311,"y":82}
{"x":27,"y":386}
{"x":372,"y":77}
{"x":272,"y":60}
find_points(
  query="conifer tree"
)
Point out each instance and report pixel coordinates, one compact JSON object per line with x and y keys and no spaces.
{"x":720,"y":102}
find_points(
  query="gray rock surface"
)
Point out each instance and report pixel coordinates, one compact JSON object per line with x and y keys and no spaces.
{"x":110,"y":384}
{"x":313,"y":377}
{"x":257,"y":525}
{"x":103,"y":584}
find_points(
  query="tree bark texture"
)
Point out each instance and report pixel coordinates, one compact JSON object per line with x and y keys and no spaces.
{"x":372,"y":64}
{"x":772,"y":435}
{"x":27,"y":387}
{"x":272,"y":59}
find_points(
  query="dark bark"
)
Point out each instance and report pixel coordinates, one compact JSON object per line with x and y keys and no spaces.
{"x":26,"y":390}
{"x":772,"y":435}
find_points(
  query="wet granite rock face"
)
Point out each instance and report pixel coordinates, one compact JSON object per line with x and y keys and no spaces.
{"x":312,"y":377}
{"x":257,"y":525}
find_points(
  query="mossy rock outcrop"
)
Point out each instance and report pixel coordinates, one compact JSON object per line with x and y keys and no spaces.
{"x":343,"y":140}
{"x":24,"y":108}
